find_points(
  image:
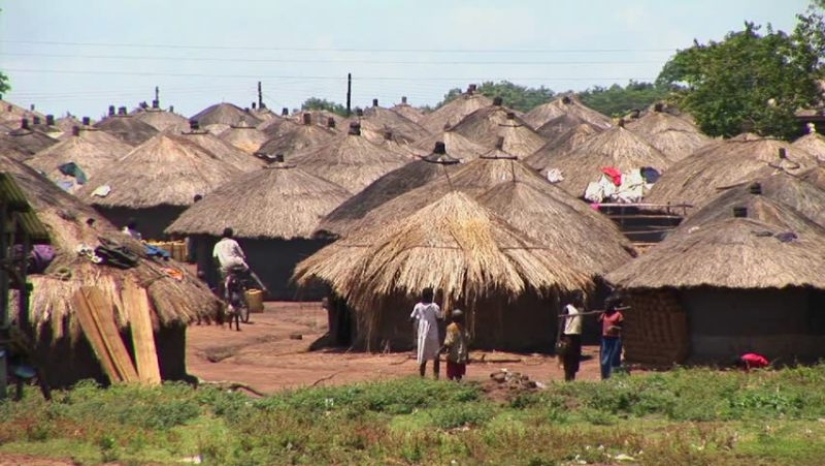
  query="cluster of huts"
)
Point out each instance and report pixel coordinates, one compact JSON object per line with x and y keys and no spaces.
{"x":502,"y":212}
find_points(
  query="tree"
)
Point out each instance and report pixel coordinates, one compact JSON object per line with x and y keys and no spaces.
{"x":515,"y":96}
{"x":618,"y":101}
{"x":314,"y":103}
{"x":4,"y":83}
{"x":748,"y":81}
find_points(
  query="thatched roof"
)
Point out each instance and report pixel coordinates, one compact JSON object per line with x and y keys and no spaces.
{"x":451,"y":113}
{"x":166,"y":170}
{"x":453,"y":245}
{"x":246,"y":138}
{"x":381,"y":120}
{"x":224,"y":151}
{"x":697,"y":179}
{"x":84,"y":150}
{"x":675,"y":137}
{"x":217,"y":129}
{"x":769,"y":198}
{"x":566,"y":104}
{"x":320,"y":117}
{"x":23,"y":143}
{"x":560,"y":125}
{"x":350,"y":161}
{"x":567,"y":142}
{"x":172,"y":301}
{"x":225,"y":114}
{"x":814,"y":176}
{"x":457,"y":145}
{"x":408,"y":111}
{"x":485,"y":126}
{"x":738,"y":253}
{"x":280,"y":201}
{"x":66,"y":124}
{"x":13,"y":113}
{"x":293,"y":138}
{"x":617,"y":147}
{"x":812,"y":143}
{"x":415,"y":174}
{"x":162,"y":120}
{"x":127,"y":128}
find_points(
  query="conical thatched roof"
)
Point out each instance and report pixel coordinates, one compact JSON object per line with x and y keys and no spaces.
{"x":280,"y":201}
{"x":162,"y":120}
{"x":697,"y":179}
{"x":224,"y":151}
{"x":814,"y":176}
{"x":66,"y":218}
{"x":451,"y":113}
{"x":66,"y":124}
{"x":457,"y":145}
{"x":22,"y":143}
{"x":83,"y":150}
{"x":127,"y":128}
{"x":453,"y":245}
{"x":381,"y":120}
{"x":567,"y":142}
{"x":225,"y":114}
{"x":408,"y":111}
{"x":415,"y":174}
{"x":739,"y":253}
{"x":812,"y":143}
{"x":320,"y":117}
{"x":566,"y":104}
{"x":560,"y":125}
{"x":617,"y":147}
{"x":768,"y":199}
{"x":13,"y":113}
{"x":246,"y":138}
{"x":350,"y":161}
{"x":166,"y":170}
{"x":675,"y":137}
{"x":485,"y":126}
{"x":292,"y":139}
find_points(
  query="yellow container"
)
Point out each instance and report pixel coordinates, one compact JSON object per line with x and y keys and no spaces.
{"x":255,"y":300}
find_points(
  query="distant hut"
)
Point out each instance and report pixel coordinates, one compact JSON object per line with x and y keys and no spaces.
{"x":566,"y":104}
{"x":25,"y":141}
{"x":321,"y":117}
{"x":381,"y":119}
{"x":127,"y":128}
{"x":565,"y":143}
{"x":273,"y":213}
{"x":389,"y":186}
{"x":555,"y":128}
{"x":675,"y":137}
{"x":162,"y":120}
{"x":223,"y":150}
{"x":616,"y":147}
{"x":697,"y":179}
{"x":156,"y":182}
{"x":451,"y":113}
{"x":66,"y":124}
{"x":731,"y":286}
{"x":75,"y":161}
{"x":292,"y":139}
{"x":408,"y":111}
{"x":456,"y":145}
{"x":64,"y":356}
{"x":812,"y":143}
{"x":350,"y":161}
{"x":225,"y":114}
{"x":486,"y":125}
{"x":12,"y":113}
{"x":508,"y":285}
{"x":246,"y":138}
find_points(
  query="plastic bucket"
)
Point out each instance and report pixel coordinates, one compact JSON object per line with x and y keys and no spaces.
{"x":255,"y":300}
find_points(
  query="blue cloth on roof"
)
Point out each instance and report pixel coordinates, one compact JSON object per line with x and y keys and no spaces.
{"x":154,"y":251}
{"x":72,"y":169}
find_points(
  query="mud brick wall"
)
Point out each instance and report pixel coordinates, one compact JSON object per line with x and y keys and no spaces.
{"x":656,"y":328}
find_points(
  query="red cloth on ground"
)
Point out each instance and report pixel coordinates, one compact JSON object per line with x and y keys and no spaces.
{"x":455,"y":370}
{"x":755,"y":361}
{"x":614,"y":173}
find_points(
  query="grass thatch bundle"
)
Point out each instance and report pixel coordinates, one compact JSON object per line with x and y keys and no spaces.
{"x":485,"y":126}
{"x":566,"y":104}
{"x":225,"y":114}
{"x":350,"y":161}
{"x":738,"y":253}
{"x":292,"y":138}
{"x":617,"y":147}
{"x":280,"y":201}
{"x":451,"y":113}
{"x":127,"y":128}
{"x":246,"y":138}
{"x":456,"y":145}
{"x":223,"y":150}
{"x":162,"y":120}
{"x":697,"y":179}
{"x":166,"y":170}
{"x":68,"y":222}
{"x":22,"y":143}
{"x":675,"y":137}
{"x":453,"y":245}
{"x":85,"y":150}
{"x":812,"y":143}
{"x":565,"y":143}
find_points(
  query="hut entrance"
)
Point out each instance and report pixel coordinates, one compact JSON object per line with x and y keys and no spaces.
{"x":340,"y":321}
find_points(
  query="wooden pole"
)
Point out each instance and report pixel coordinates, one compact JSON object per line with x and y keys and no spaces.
{"x":260,"y":96}
{"x":349,"y":94}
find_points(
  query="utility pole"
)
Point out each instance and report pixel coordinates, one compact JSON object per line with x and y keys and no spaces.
{"x":260,"y":97}
{"x":349,"y":94}
{"x":156,"y":102}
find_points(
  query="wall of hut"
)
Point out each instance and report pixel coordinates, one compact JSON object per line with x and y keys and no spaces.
{"x":151,"y":222}
{"x":656,"y":328}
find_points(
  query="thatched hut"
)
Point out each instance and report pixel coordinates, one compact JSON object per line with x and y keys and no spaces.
{"x":274,"y":213}
{"x":66,"y":125}
{"x":376,"y":121}
{"x":675,"y":137}
{"x":697,"y":179}
{"x":408,"y":111}
{"x":486,"y":125}
{"x":13,"y":113}
{"x":555,"y":128}
{"x":246,"y":138}
{"x":350,"y":161}
{"x":507,"y":284}
{"x":616,"y":147}
{"x":24,"y":141}
{"x":291,"y":139}
{"x":714,"y":292}
{"x":223,"y":150}
{"x":89,"y":150}
{"x":566,"y":104}
{"x":156,"y":182}
{"x":451,"y":113}
{"x":127,"y":128}
{"x":64,"y":356}
{"x":565,"y":143}
{"x":456,"y":145}
{"x":812,"y":143}
{"x":225,"y":114}
{"x":162,"y":120}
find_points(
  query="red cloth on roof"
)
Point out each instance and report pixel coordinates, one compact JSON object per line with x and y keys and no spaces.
{"x":614,"y":173}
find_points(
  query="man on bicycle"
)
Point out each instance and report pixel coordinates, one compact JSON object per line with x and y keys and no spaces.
{"x":231,"y":258}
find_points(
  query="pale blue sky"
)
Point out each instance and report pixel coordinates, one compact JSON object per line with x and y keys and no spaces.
{"x":81,"y":56}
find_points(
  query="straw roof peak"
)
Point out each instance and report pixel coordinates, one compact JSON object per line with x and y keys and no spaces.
{"x":225,"y":114}
{"x":486,"y":125}
{"x":127,"y":128}
{"x":566,"y":104}
{"x":223,"y":150}
{"x":163,"y":120}
{"x":451,"y":113}
{"x":565,"y":143}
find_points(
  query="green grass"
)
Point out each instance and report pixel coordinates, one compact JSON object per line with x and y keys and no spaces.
{"x":680,"y":417}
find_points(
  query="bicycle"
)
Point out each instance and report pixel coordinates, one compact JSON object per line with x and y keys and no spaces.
{"x":236,"y":284}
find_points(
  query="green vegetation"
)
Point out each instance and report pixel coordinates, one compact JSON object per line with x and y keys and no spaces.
{"x":682,"y":417}
{"x":314,"y":103}
{"x":515,"y":96}
{"x":618,"y":101}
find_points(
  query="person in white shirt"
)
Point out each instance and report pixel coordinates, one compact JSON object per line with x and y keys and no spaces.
{"x":131,"y":230}
{"x":425,"y":316}
{"x":572,"y":336}
{"x":230,"y":257}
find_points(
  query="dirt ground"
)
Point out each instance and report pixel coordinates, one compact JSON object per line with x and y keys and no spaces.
{"x":265,"y":357}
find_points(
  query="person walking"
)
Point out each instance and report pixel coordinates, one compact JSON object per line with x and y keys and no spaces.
{"x":455,"y":345}
{"x":610,"y":357}
{"x":572,"y":336}
{"x":425,"y":316}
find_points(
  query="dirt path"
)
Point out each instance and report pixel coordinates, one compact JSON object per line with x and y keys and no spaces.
{"x":263,"y":356}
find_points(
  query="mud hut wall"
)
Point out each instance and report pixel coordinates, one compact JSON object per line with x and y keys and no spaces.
{"x":151,"y":222}
{"x":784,"y":324}
{"x":656,"y":328}
{"x":274,"y":261}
